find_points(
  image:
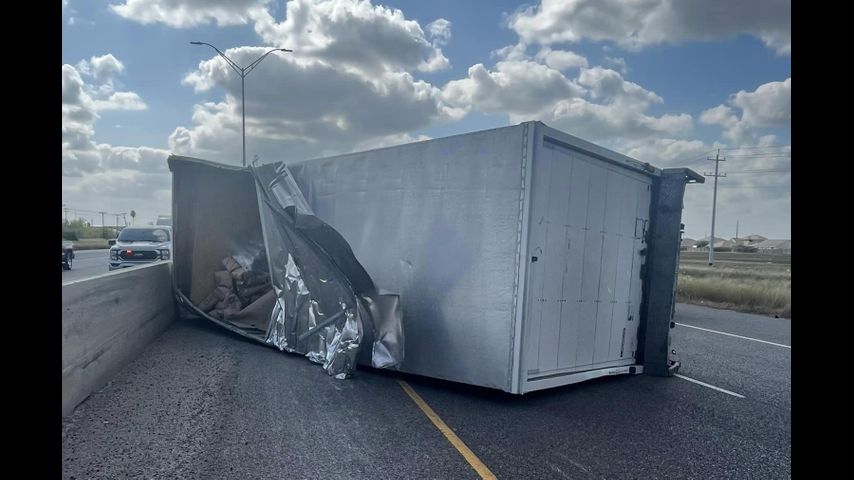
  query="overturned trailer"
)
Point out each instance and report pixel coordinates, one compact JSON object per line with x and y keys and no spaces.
{"x":524,"y":258}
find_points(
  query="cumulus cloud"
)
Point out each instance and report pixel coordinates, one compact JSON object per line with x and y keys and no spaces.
{"x":78,"y":111}
{"x":639,"y":23}
{"x":519,"y":88}
{"x":346,"y":86}
{"x":596,"y":103}
{"x":120,"y":101}
{"x":80,"y":153}
{"x":304,"y":107}
{"x":608,"y":84}
{"x":618,"y":62}
{"x":355,"y":34}
{"x":346,"y":33}
{"x":351,"y":84}
{"x":102,"y":68}
{"x":188,"y":13}
{"x":560,"y":59}
{"x":81,"y":100}
{"x":439,"y":31}
{"x":770,"y":105}
{"x":610,"y":122}
{"x":97,"y":175}
{"x":599,"y":104}
{"x":667,"y":152}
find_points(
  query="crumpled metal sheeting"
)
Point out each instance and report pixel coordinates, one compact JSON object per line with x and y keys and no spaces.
{"x":298,"y":320}
{"x":317,"y":313}
{"x":341,"y":346}
{"x":386,"y":332}
{"x":327,"y":306}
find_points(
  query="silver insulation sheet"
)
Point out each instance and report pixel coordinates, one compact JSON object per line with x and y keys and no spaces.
{"x":327,"y":306}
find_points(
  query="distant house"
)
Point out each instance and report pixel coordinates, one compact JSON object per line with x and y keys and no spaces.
{"x":723,"y":244}
{"x":720,"y":243}
{"x":687,"y":244}
{"x":774,"y":246}
{"x":750,"y":240}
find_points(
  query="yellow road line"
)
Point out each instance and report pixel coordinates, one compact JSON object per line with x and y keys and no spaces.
{"x":461,"y":447}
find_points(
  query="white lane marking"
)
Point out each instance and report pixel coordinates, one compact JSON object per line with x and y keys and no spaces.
{"x":734,"y":335}
{"x":683,"y":377}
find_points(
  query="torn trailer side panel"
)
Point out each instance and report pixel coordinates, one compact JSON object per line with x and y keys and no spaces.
{"x":518,"y":252}
{"x":250,"y":256}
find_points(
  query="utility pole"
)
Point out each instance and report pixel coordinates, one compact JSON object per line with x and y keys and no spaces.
{"x":717,"y":175}
{"x":736,"y":230}
{"x":103,"y":226}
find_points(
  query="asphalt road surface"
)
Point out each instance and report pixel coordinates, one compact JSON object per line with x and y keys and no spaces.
{"x":87,"y":263}
{"x":201,"y":402}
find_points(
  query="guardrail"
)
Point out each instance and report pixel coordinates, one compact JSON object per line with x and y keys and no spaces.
{"x":107,"y":321}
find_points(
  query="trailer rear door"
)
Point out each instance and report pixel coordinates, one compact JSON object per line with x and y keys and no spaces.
{"x":586,"y":244}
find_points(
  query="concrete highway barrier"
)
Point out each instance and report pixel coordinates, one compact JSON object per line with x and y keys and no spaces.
{"x":107,"y":321}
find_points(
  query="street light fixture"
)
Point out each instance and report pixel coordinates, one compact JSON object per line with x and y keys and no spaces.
{"x":243,"y":72}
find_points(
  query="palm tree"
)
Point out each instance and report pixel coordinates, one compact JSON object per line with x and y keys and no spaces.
{"x":132,"y":216}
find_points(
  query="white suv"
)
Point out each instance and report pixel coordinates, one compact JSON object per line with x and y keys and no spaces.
{"x":141,"y":245}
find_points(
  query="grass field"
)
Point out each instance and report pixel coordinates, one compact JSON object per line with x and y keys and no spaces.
{"x":739,"y":281}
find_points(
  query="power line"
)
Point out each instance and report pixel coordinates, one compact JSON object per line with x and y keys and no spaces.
{"x":756,"y":148}
{"x":702,"y":156}
{"x":755,"y":186}
{"x":762,"y":155}
{"x":770,"y":170}
{"x":698,"y":159}
{"x":86,"y":211}
{"x":91,"y":211}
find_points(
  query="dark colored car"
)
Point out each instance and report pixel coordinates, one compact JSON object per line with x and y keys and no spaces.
{"x":67,"y":254}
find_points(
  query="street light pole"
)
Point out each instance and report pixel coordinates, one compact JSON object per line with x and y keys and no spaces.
{"x":243,"y":105}
{"x":243,"y":72}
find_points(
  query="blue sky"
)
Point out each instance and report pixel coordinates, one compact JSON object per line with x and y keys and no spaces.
{"x":661,"y":81}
